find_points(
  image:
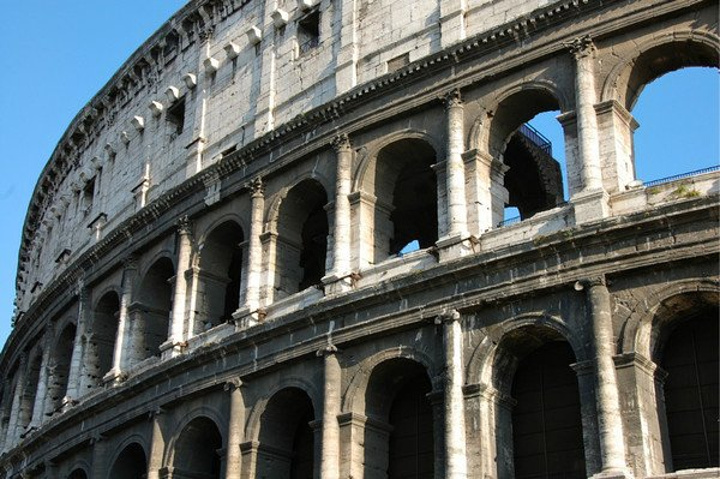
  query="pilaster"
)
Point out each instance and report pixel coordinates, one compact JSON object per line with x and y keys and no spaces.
{"x":236,"y":429}
{"x":332,"y":374}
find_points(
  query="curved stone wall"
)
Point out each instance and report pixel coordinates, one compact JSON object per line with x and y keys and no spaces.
{"x":213,"y":280}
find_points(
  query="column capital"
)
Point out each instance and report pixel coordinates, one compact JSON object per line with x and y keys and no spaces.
{"x":153,"y":413}
{"x":341,"y":142}
{"x":452,"y":99}
{"x":590,"y":282}
{"x":257,"y":187}
{"x":130,"y":262}
{"x":184,"y":226}
{"x":581,"y":47}
{"x":328,"y":350}
{"x":232,"y":384}
{"x":448,"y":317}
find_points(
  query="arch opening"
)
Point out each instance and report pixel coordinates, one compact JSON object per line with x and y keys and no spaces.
{"x":197,"y":450}
{"x":78,"y":474}
{"x":152,"y":312}
{"x":399,"y":437}
{"x":221,"y":263}
{"x":29,"y":391}
{"x":406,"y":203}
{"x":102,"y":337}
{"x":60,"y":367}
{"x":533,"y":367}
{"x":534,"y":177}
{"x":287,"y":445}
{"x":302,"y":242}
{"x":130,"y":464}
{"x":689,"y":356}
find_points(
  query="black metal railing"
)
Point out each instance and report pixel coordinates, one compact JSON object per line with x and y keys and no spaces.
{"x":536,"y":138}
{"x":668,"y":179}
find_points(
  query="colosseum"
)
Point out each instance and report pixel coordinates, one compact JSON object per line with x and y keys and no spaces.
{"x":275,"y":245}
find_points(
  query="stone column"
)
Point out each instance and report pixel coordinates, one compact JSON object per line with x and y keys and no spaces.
{"x":455,"y":168}
{"x":157,"y":445}
{"x":486,"y":192}
{"x":177,"y":334}
{"x":255,"y":253}
{"x":590,"y":202}
{"x":339,"y":278}
{"x":74,"y":387}
{"x":12,"y":433}
{"x":616,"y":128}
{"x":330,"y":458}
{"x":236,"y":430}
{"x":610,"y":428}
{"x":123,"y":339}
{"x":454,"y":403}
{"x":583,"y":51}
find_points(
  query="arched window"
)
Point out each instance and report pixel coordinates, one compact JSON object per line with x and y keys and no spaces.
{"x":546,"y":420}
{"x":130,"y":464}
{"x":197,"y":450}
{"x":60,"y":367}
{"x":102,"y":337}
{"x":302,"y":228}
{"x":533,"y":180}
{"x":396,"y":399}
{"x":287,"y":445}
{"x":152,"y":311}
{"x":220,"y":273}
{"x":690,"y":358}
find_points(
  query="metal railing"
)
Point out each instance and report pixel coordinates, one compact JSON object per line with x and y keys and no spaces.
{"x":536,"y":138}
{"x":668,"y":179}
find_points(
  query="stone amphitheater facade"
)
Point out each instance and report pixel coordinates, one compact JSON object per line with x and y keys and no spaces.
{"x":212,"y":281}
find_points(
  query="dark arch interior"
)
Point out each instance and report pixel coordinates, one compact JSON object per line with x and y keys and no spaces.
{"x":78,"y":474}
{"x":155,"y":297}
{"x":130,"y":464}
{"x":197,"y":449}
{"x":533,"y":178}
{"x":546,"y":420}
{"x":398,"y":395}
{"x":302,"y":237}
{"x":286,"y":439}
{"x":221,"y":265}
{"x":102,"y":342}
{"x":27,"y":404}
{"x":62,"y":356}
{"x":406,"y":188}
{"x":690,"y":358}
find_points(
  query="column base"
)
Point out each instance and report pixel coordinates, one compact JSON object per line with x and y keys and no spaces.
{"x":590,"y":206}
{"x":114,"y":377}
{"x":337,"y":283}
{"x":456,"y":246}
{"x":612,"y":474}
{"x":171,"y":349}
{"x":248,"y":316}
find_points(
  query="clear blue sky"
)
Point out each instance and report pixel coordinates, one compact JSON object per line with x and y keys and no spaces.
{"x":56,"y":55}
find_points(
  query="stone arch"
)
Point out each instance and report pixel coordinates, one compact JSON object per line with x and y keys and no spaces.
{"x":253,"y":422}
{"x":79,"y":470}
{"x":655,"y":57}
{"x":299,"y":224}
{"x":129,"y":460}
{"x":101,"y":335}
{"x":195,"y":444}
{"x":220,"y":263}
{"x":507,"y":365}
{"x":151,"y":309}
{"x":354,"y":394}
{"x":60,"y":364}
{"x":218,"y":221}
{"x":531,"y":179}
{"x":31,"y":381}
{"x":478,"y":137}
{"x":148,"y":263}
{"x":401,"y":427}
{"x":638,"y":335}
{"x":482,"y":357}
{"x":287,"y":441}
{"x":397,"y":198}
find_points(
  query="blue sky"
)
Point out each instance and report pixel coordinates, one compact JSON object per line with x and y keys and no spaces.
{"x":55,"y":56}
